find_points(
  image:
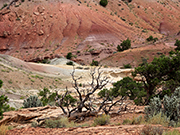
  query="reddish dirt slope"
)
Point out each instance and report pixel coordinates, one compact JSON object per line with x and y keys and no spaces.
{"x":33,"y":31}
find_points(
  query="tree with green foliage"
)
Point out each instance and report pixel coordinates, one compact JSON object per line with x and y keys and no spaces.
{"x":163,"y":71}
{"x":69,"y":55}
{"x":44,"y":93}
{"x":1,"y":83}
{"x":103,"y":3}
{"x":126,"y":87}
{"x":177,"y":44}
{"x":3,"y":103}
{"x":125,"y":45}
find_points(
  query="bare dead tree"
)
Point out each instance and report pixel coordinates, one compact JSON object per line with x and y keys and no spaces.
{"x":86,"y":98}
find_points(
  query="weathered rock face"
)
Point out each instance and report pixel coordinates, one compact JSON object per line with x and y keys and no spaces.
{"x":40,"y":114}
{"x":31,"y":114}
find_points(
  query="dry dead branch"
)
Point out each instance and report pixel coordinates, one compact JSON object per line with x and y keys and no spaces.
{"x":86,"y":98}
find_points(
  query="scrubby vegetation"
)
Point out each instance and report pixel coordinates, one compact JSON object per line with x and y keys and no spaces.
{"x":94,"y":63}
{"x":3,"y":103}
{"x":69,"y":55}
{"x":168,"y":110}
{"x":161,"y":72}
{"x":32,"y":101}
{"x":103,"y":3}
{"x":125,"y":45}
{"x":127,"y":66}
{"x":150,"y":38}
{"x":70,"y":63}
{"x":102,"y":120}
{"x":177,"y":44}
{"x":128,"y":88}
{"x":58,"y":123}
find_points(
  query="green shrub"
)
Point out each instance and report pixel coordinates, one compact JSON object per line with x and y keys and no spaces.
{"x":3,"y":103}
{"x":5,"y":5}
{"x":44,"y":93}
{"x":170,"y":108}
{"x":103,"y":3}
{"x":102,"y":120}
{"x":1,"y":83}
{"x":94,"y":63}
{"x":69,"y":63}
{"x":177,"y":44}
{"x":150,"y":38}
{"x":125,"y":45}
{"x":45,"y":61}
{"x":32,"y":101}
{"x":127,"y":66}
{"x":69,"y":55}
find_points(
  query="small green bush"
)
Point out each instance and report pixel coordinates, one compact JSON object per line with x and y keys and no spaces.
{"x":150,"y":38}
{"x":102,"y":120}
{"x":70,"y":63}
{"x":5,"y":5}
{"x":94,"y":63}
{"x":127,"y":66}
{"x":103,"y":3}
{"x":45,"y":61}
{"x":69,"y":55}
{"x":32,"y":101}
{"x":125,"y":45}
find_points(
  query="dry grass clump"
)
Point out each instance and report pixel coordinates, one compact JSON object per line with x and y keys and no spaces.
{"x":3,"y":129}
{"x":102,"y":120}
{"x":152,"y":130}
{"x":157,"y":130}
{"x":174,"y":132}
{"x":55,"y":123}
{"x":134,"y":121}
{"x":62,"y":122}
{"x":159,"y":119}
